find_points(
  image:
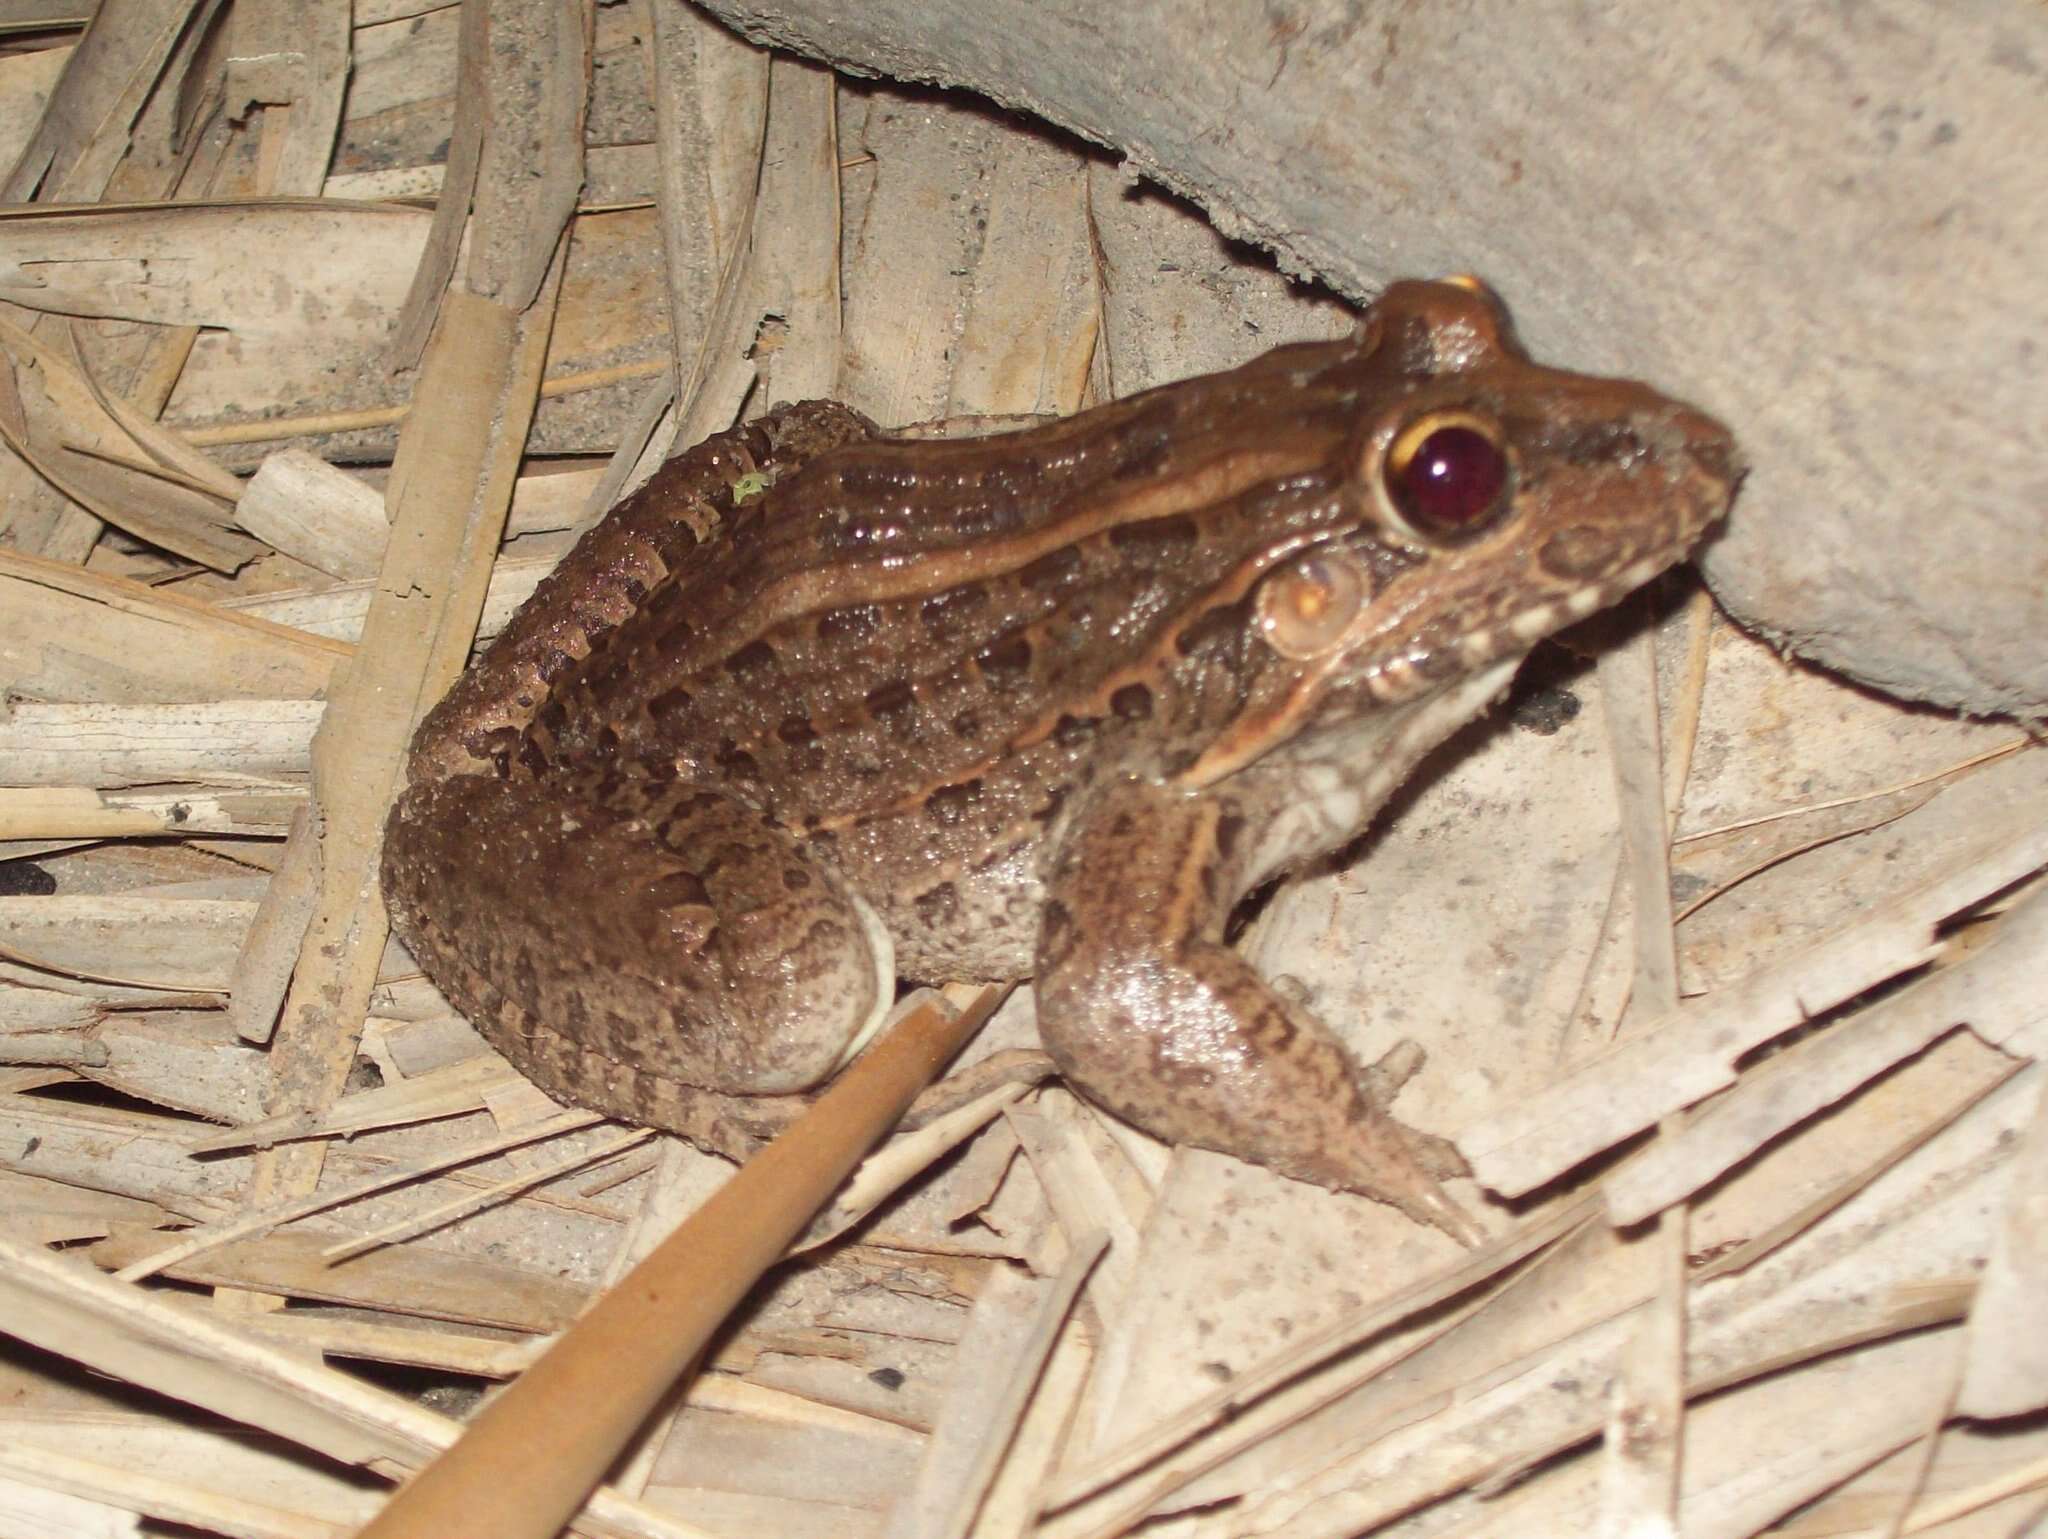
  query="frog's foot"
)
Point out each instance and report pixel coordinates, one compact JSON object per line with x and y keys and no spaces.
{"x":1147,"y":1012}
{"x":1383,"y":1079}
{"x":732,"y":1125}
{"x":612,"y":933}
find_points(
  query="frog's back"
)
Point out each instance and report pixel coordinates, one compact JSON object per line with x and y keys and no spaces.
{"x":901,"y":621}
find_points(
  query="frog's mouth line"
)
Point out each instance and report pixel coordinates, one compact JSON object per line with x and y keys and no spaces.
{"x":1399,"y":680}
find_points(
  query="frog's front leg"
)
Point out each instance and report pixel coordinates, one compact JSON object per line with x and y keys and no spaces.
{"x":640,"y":945}
{"x":1145,"y":1009}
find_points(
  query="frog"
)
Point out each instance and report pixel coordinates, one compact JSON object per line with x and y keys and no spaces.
{"x":819,"y":709}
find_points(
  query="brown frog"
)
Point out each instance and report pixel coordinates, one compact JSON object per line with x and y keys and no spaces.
{"x":818,"y":708}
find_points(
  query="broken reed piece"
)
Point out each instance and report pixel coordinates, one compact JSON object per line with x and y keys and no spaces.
{"x":532,"y":1455}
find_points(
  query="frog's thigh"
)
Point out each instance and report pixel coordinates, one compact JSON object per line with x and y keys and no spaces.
{"x":655,"y":923}
{"x":1147,"y":1012}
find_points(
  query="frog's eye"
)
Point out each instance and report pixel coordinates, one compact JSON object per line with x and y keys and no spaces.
{"x":1305,"y":608}
{"x":1446,"y":474}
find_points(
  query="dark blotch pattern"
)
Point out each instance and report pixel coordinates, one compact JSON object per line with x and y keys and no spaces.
{"x":949,"y":805}
{"x":1220,"y":626}
{"x":1229,"y":829}
{"x":1052,"y":568}
{"x":1006,"y":664}
{"x":937,"y":906}
{"x":887,"y":699}
{"x":1155,"y":533}
{"x":752,"y":657}
{"x":681,"y":889}
{"x":668,"y":703}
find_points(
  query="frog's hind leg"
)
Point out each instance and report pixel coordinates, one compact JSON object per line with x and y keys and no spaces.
{"x":637,"y":945}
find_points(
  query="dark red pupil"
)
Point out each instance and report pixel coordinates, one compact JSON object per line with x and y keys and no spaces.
{"x":1453,"y":479}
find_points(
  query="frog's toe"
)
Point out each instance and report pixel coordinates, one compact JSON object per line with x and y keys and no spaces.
{"x":1438,"y":1156}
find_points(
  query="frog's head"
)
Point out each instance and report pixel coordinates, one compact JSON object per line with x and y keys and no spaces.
{"x":1492,"y":501}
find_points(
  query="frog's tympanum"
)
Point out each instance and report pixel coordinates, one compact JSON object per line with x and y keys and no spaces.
{"x":816,"y":709}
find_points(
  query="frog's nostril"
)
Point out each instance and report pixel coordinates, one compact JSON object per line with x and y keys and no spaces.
{"x":1708,"y":445}
{"x":1717,"y":455}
